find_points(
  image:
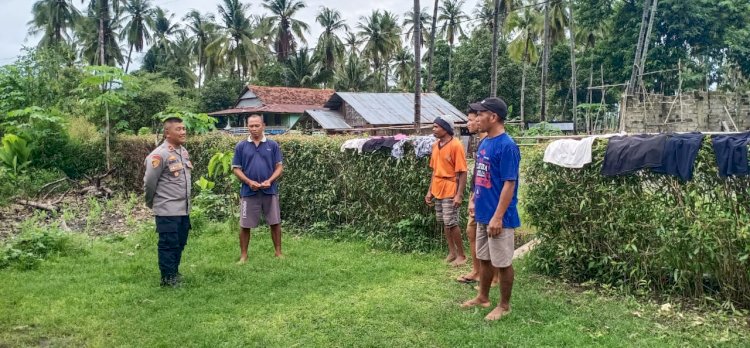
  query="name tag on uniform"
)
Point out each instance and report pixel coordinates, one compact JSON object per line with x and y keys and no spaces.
{"x":175,"y":166}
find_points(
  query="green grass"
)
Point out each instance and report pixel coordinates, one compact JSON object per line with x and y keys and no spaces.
{"x":323,"y":294}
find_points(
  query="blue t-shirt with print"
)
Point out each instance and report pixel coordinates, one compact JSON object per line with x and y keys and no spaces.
{"x":498,"y":161}
{"x":258,"y":164}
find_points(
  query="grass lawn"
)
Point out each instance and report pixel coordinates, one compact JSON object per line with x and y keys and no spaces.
{"x":323,"y":294}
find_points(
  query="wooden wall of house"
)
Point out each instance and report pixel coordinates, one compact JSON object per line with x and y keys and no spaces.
{"x":351,"y":116}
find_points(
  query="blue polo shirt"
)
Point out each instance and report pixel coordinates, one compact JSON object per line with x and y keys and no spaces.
{"x":258,"y":163}
{"x":498,"y":161}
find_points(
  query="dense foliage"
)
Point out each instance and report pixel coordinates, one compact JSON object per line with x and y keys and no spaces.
{"x":643,"y":231}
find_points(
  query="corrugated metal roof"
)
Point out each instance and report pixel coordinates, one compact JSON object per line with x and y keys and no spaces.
{"x":329,"y":119}
{"x":396,"y":108}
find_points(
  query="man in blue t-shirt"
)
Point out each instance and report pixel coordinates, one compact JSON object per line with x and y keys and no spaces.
{"x":494,"y":204}
{"x":257,"y":163}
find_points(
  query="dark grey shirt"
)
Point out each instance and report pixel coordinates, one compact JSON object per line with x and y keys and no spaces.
{"x":167,"y":181}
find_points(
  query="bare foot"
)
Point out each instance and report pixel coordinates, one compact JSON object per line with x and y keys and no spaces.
{"x":450,"y":258}
{"x":469,"y":278}
{"x":459,"y":261}
{"x":497,"y":313}
{"x":279,"y":255}
{"x":476,"y":302}
{"x":242,"y":261}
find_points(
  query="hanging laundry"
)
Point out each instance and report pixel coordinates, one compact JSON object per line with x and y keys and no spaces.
{"x":731,"y":154}
{"x":569,"y":153}
{"x":373,"y":145}
{"x":423,"y":145}
{"x":354,"y":144}
{"x":680,"y":153}
{"x":628,"y":154}
{"x":398,"y":148}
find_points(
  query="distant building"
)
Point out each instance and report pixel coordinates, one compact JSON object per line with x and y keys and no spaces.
{"x":563,"y":126}
{"x":376,"y":113}
{"x":281,"y":107}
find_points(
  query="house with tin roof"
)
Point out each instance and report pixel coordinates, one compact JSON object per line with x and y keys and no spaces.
{"x":376,"y":113}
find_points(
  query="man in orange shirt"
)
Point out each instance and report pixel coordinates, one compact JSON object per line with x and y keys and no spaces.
{"x":448,"y":163}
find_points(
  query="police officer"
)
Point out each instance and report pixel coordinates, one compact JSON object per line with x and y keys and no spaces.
{"x":167,"y":188}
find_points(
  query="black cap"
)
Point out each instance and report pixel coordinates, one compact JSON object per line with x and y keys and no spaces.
{"x":495,"y":105}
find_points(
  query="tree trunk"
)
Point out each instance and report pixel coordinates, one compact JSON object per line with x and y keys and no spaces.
{"x":432,"y":46}
{"x":103,"y":12}
{"x":646,"y":41}
{"x":200,"y":62}
{"x":573,"y":78}
{"x":417,"y":69}
{"x":106,"y":136}
{"x":450,"y":67}
{"x":495,"y":29}
{"x":130,"y":52}
{"x":591,"y":82}
{"x":545,"y":66}
{"x":523,"y":77}
{"x":639,"y":48}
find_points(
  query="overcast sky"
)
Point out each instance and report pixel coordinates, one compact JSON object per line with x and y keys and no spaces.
{"x":15,"y":14}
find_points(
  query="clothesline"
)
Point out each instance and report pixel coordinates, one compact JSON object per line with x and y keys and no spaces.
{"x":665,"y":153}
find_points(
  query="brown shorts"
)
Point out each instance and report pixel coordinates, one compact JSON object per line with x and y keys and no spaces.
{"x":252,"y":207}
{"x":497,"y":249}
{"x":446,"y":212}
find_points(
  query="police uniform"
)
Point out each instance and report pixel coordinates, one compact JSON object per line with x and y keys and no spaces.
{"x":167,"y":187}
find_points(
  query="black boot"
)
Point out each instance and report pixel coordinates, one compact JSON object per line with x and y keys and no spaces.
{"x":170,"y":281}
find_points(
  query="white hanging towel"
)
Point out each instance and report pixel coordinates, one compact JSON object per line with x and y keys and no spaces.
{"x":354,"y":144}
{"x":569,"y":153}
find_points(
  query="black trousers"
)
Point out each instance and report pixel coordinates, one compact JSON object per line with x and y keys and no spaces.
{"x":173,"y":235}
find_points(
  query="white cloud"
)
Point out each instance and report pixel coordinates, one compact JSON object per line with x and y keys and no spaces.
{"x":16,"y":14}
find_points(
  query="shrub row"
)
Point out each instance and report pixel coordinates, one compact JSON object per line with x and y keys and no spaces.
{"x":644,"y":231}
{"x":372,"y":195}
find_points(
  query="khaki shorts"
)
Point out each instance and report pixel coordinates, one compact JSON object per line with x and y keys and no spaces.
{"x":447,"y":213}
{"x":497,"y":249}
{"x":252,"y":207}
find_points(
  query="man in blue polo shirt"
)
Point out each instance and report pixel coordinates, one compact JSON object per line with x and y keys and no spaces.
{"x":495,"y":199}
{"x":257,"y":163}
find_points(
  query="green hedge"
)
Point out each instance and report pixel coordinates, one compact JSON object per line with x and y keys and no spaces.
{"x":645,"y":231}
{"x":325,"y":191}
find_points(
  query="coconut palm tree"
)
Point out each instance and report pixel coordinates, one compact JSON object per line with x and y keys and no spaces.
{"x":352,"y":42}
{"x":451,"y":18}
{"x":431,"y":53}
{"x":98,"y":47}
{"x":200,"y":26}
{"x":354,"y":76}
{"x":527,"y":27}
{"x":106,"y":13}
{"x":555,"y":22}
{"x":382,"y":37}
{"x":330,"y":49}
{"x":485,"y":13}
{"x":235,"y":43}
{"x":424,"y":20}
{"x":403,"y":69}
{"x":302,"y":69}
{"x":54,"y":19}
{"x":285,"y":26}
{"x":137,"y":30}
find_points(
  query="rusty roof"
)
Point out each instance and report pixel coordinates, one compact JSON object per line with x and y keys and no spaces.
{"x":291,"y":96}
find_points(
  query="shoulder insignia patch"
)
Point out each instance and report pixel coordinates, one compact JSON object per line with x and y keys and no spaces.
{"x":155,"y":161}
